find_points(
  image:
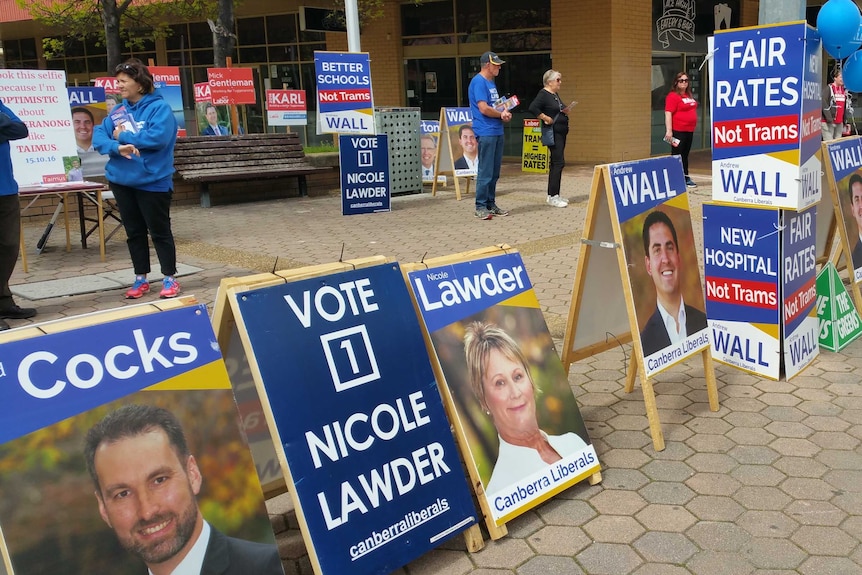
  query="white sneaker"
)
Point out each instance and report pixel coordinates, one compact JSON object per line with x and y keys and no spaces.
{"x":557,"y":202}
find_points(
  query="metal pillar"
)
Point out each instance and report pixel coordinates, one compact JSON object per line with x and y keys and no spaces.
{"x":775,"y":11}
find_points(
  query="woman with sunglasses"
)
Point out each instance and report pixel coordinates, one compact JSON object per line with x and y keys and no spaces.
{"x":138,"y":137}
{"x":680,"y":118}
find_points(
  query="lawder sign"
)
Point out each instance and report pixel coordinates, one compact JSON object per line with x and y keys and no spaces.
{"x":286,"y":108}
{"x":231,"y":86}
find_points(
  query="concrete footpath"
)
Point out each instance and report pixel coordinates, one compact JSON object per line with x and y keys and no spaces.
{"x":771,"y":484}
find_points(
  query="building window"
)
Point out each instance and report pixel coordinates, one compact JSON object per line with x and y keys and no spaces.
{"x":20,"y":53}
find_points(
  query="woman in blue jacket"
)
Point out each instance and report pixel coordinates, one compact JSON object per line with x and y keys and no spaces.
{"x":139,"y":137}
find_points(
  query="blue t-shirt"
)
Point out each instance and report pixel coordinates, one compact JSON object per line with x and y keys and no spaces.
{"x":484,"y":90}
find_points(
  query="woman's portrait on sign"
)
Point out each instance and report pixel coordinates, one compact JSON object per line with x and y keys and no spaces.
{"x":511,"y":393}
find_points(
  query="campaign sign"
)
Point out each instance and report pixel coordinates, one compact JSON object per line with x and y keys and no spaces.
{"x":766,"y":116}
{"x":799,"y":290}
{"x":462,"y":140}
{"x":149,"y":374}
{"x":286,"y":108}
{"x":39,"y":99}
{"x":167,"y":83}
{"x":429,"y":142}
{"x":489,"y":304}
{"x":231,"y":86}
{"x":89,"y":108}
{"x":651,"y":207}
{"x":844,"y":164}
{"x":357,"y":418}
{"x":741,"y":269}
{"x":345,"y":103}
{"x":109,"y":83}
{"x":364,"y":174}
{"x":203,"y":93}
{"x":535,"y":156}
{"x":839,"y":321}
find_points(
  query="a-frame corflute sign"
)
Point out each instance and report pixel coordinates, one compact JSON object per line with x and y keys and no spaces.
{"x":638,"y":218}
{"x":494,"y":357}
{"x":358,"y":426}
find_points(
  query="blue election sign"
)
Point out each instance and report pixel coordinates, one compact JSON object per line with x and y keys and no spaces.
{"x":799,"y":256}
{"x":49,"y":378}
{"x":345,"y":101}
{"x":359,"y":417}
{"x":741,"y":268}
{"x":766,"y":116}
{"x":642,"y":185}
{"x":364,"y":174}
{"x":85,"y":96}
{"x":845,"y":155}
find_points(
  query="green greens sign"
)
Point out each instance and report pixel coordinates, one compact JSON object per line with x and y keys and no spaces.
{"x":839,"y":321}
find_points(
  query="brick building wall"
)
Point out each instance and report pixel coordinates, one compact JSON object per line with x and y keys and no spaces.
{"x":606,"y":56}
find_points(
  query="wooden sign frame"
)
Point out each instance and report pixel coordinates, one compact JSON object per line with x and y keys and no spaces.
{"x":596,"y":322}
{"x":226,"y":326}
{"x":494,"y":530}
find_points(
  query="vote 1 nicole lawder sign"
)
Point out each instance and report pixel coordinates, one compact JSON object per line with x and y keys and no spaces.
{"x":358,"y":416}
{"x":364,"y":174}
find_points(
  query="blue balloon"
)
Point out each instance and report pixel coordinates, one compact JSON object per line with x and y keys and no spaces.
{"x":838,"y":24}
{"x":841,"y":52}
{"x":852,"y":72}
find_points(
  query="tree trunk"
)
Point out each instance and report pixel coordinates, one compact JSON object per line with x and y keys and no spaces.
{"x":223,"y":38}
{"x":114,"y":45}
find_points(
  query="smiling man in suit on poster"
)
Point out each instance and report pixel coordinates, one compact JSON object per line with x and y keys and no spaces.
{"x":673,"y":320}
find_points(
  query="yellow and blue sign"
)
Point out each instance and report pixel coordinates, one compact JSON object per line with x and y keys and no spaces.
{"x":650,"y":193}
{"x":766,"y":114}
{"x":535,"y":156}
{"x":56,"y":376}
{"x":345,"y":103}
{"x":741,"y":269}
{"x":489,"y":301}
{"x":359,"y":418}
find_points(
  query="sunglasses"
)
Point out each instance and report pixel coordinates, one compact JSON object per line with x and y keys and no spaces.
{"x":681,"y":80}
{"x":126,"y":68}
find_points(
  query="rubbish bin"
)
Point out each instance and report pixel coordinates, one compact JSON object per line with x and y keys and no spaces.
{"x":405,"y":165}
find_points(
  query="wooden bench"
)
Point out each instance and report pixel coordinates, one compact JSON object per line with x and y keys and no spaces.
{"x":213,"y":159}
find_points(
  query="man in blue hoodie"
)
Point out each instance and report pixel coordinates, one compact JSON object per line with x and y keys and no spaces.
{"x":11,"y":128}
{"x":139,"y":137}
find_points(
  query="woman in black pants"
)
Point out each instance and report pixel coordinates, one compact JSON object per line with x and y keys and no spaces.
{"x":548,"y":108}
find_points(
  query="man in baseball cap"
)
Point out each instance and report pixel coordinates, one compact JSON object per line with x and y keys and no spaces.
{"x":491,"y":58}
{"x":488,"y":127}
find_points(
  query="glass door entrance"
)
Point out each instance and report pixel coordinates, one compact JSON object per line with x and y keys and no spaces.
{"x":432,"y":83}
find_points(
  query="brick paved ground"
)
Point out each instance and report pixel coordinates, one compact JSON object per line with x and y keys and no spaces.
{"x":769,"y":484}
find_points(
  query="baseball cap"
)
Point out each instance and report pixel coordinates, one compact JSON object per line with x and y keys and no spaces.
{"x":490,"y":57}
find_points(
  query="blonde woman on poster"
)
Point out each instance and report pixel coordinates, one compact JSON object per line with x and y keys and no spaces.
{"x":499,"y":375}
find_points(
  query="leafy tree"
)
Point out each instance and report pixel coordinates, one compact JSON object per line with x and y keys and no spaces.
{"x":107,"y":19}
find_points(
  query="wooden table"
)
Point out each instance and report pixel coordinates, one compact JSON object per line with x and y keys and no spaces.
{"x":62,"y":190}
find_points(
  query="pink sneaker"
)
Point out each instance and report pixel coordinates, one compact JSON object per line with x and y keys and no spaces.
{"x":138,"y":289}
{"x":170,"y":288}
